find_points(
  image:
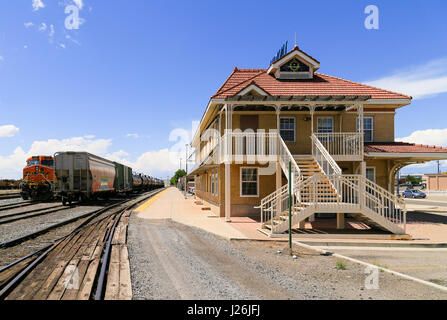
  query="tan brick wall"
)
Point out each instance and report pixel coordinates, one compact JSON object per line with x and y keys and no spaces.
{"x":382,"y":171}
{"x":437,"y":183}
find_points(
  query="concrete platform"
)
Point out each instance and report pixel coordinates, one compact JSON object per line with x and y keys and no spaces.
{"x":426,"y":228}
{"x":171,"y":204}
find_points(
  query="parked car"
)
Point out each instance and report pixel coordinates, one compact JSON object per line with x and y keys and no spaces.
{"x":411,"y":193}
{"x":191,"y":190}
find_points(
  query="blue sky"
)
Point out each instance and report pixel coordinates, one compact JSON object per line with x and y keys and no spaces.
{"x":135,"y":70}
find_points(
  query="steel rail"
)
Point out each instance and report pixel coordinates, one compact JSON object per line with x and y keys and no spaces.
{"x":12,"y":283}
{"x":9,"y":196}
{"x":11,"y":206}
{"x":28,"y":214}
{"x":99,"y":295}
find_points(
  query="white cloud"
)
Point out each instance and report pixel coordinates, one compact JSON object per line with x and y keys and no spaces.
{"x":28,"y":24}
{"x":51,"y":31}
{"x":433,"y":137}
{"x":62,"y":45}
{"x":417,"y":81}
{"x":43,"y":27}
{"x":79,"y":3}
{"x":159,"y":163}
{"x":437,"y":137}
{"x":38,"y":4}
{"x":1,"y":58}
{"x":8,"y":131}
{"x":11,"y":165}
{"x":133,"y":135}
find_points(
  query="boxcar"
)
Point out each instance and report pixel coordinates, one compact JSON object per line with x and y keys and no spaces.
{"x":123,"y":178}
{"x":81,"y":175}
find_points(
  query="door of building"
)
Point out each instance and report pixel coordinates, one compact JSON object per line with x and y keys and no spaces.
{"x":249,"y":122}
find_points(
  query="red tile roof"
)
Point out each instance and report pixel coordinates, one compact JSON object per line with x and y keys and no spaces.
{"x":402,"y":147}
{"x":321,"y":84}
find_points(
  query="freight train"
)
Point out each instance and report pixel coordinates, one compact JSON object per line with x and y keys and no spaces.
{"x":84,"y":176}
{"x":8,"y":184}
{"x":79,"y":176}
{"x":38,"y":178}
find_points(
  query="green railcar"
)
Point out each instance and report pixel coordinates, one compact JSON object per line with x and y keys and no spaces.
{"x":123,"y":178}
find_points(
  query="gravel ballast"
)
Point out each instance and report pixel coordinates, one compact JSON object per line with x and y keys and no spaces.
{"x":169,"y":260}
{"x":21,"y":228}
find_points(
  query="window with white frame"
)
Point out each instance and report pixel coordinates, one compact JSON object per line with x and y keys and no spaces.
{"x":371,"y":173}
{"x":325,"y":125}
{"x":249,"y":182}
{"x":368,"y":128}
{"x":287,"y":128}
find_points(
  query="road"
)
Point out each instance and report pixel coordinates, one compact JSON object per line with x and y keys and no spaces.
{"x":427,"y":202}
{"x":169,"y":260}
{"x":428,"y":264}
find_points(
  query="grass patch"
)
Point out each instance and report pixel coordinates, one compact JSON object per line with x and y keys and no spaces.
{"x":437,"y":281}
{"x":380,"y":266}
{"x":340,"y":265}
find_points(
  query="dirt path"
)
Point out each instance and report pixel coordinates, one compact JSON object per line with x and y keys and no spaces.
{"x":172,"y":261}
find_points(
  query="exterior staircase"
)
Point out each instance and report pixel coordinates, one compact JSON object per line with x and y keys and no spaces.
{"x":309,"y":168}
{"x":320,"y":187}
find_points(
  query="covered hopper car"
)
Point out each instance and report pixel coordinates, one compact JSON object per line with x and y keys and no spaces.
{"x":82,"y":176}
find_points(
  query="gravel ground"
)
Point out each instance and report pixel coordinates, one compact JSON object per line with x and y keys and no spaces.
{"x":41,"y":205}
{"x":11,"y":201}
{"x":172,"y":261}
{"x":22,"y":227}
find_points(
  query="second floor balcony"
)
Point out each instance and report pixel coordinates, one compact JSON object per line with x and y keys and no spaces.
{"x":261,"y":146}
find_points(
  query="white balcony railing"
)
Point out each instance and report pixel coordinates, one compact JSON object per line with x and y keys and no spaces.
{"x":342,"y":144}
{"x":249,"y":146}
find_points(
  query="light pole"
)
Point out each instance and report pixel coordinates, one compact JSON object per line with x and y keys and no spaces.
{"x":186,"y":154}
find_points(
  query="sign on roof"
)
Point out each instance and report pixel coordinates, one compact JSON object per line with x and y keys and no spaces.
{"x":281,"y":52}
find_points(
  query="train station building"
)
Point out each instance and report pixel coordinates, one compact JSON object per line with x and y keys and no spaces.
{"x":332,"y":138}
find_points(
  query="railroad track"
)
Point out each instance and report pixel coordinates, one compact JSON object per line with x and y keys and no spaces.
{"x":9,"y":196}
{"x":87,"y":262}
{"x":12,"y":217}
{"x":16,"y":205}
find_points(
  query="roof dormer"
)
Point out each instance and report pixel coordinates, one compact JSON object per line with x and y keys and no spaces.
{"x":294,"y":65}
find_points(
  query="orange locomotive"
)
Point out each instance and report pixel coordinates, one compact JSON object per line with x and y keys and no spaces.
{"x":38,"y":178}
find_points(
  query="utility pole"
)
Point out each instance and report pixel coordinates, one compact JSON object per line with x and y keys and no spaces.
{"x":186,"y":153}
{"x":439,"y":167}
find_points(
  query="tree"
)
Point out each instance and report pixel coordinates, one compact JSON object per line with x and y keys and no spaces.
{"x":413,"y":180}
{"x":178,"y":174}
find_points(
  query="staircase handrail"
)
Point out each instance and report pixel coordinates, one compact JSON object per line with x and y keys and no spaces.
{"x":321,"y":155}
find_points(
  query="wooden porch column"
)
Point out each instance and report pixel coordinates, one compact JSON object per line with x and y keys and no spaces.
{"x":228,"y":160}
{"x":340,"y":221}
{"x":361,"y":128}
{"x":312,"y":111}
